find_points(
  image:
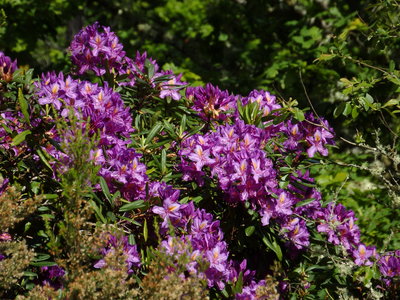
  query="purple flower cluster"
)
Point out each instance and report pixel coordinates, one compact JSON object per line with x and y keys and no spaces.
{"x":52,"y":276}
{"x":7,"y":67}
{"x":211,"y":103}
{"x":338,"y":224}
{"x":4,"y":237}
{"x":130,"y":251}
{"x":311,"y":135}
{"x":203,"y":233}
{"x":96,"y":48}
{"x":233,"y":155}
{"x":267,"y":102}
{"x":100,"y":104}
{"x":107,"y":116}
{"x":389,"y":264}
{"x":249,"y":292}
{"x":11,"y":121}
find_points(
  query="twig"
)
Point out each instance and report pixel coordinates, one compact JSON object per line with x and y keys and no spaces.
{"x":360,"y":145}
{"x":308,"y":98}
{"x":386,"y":124}
{"x":312,"y":107}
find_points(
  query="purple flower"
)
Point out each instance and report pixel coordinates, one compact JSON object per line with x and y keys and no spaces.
{"x":4,"y":185}
{"x":294,"y":136}
{"x":217,"y":257}
{"x":338,"y":223}
{"x":389,"y":265}
{"x":52,"y":276}
{"x":266,"y":101}
{"x":53,"y":271}
{"x":130,"y":251}
{"x":284,"y":204}
{"x":266,"y":212}
{"x":172,"y":86}
{"x":170,"y":211}
{"x":318,"y":137}
{"x":200,"y":157}
{"x":249,"y":291}
{"x":296,"y":231}
{"x":7,"y":67}
{"x":211,"y":102}
{"x":362,"y":255}
{"x":317,"y":142}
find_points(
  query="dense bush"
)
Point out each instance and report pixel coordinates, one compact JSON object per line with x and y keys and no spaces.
{"x":124,"y":182}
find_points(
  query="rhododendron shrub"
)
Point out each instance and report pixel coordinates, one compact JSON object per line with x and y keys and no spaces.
{"x":219,"y":183}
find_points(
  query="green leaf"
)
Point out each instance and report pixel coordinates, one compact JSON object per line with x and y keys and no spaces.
{"x":392,"y":66}
{"x":339,"y":109}
{"x":171,"y":130}
{"x":280,"y":118}
{"x":47,"y":216}
{"x":7,"y":129}
{"x":393,"y":79}
{"x":24,"y":105}
{"x":225,"y":293}
{"x":307,"y":183}
{"x":325,"y":57}
{"x":249,"y":230}
{"x":43,"y":264}
{"x":43,"y":208}
{"x":130,"y":220}
{"x":131,"y":239}
{"x":340,"y":177}
{"x":273,"y":245}
{"x":30,"y":274}
{"x":305,"y":202}
{"x":19,"y":138}
{"x":285,"y":169}
{"x":155,"y":130}
{"x":43,"y":158}
{"x":50,"y":196}
{"x":354,"y":112}
{"x":347,"y":109}
{"x":27,"y":226}
{"x":182,"y":127}
{"x":369,"y":98}
{"x":163,"y":161}
{"x":254,"y":111}
{"x":239,"y":284}
{"x":98,"y":212}
{"x":240,"y":107}
{"x":111,"y":216}
{"x":41,"y":257}
{"x":391,"y":102}
{"x":28,"y":76}
{"x":104,"y":188}
{"x":150,"y":68}
{"x":298,"y":114}
{"x":145,"y":230}
{"x":133,"y":205}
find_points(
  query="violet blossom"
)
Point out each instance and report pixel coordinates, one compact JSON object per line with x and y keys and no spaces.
{"x":130,"y":251}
